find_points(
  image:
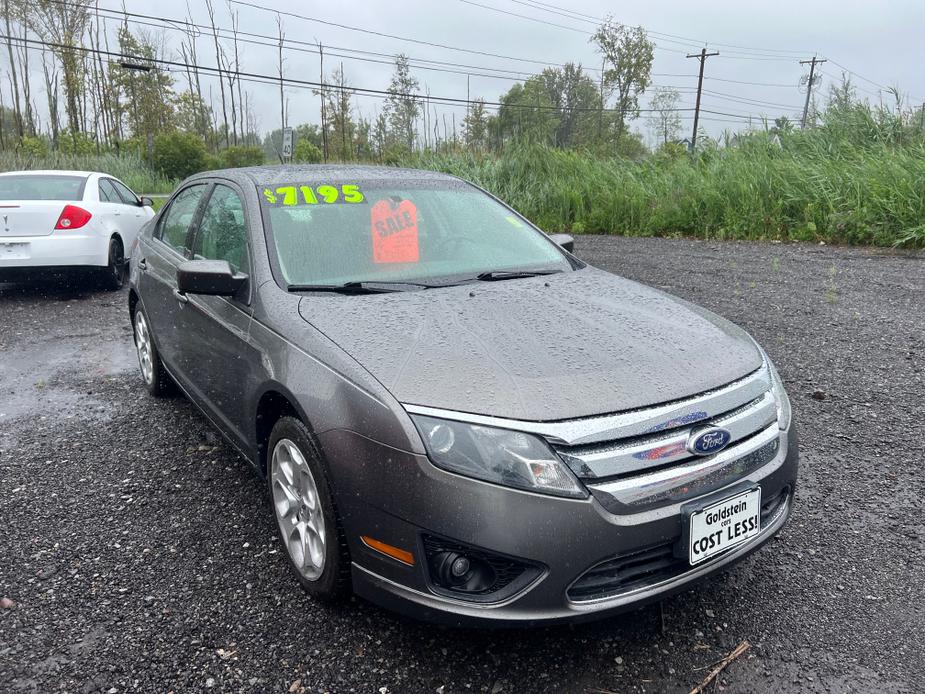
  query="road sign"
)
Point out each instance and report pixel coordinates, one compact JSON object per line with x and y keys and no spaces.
{"x":287,"y":143}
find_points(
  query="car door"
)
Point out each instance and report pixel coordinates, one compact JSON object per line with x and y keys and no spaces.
{"x":109,"y":210}
{"x":216,"y":350}
{"x":133,"y":213}
{"x":158,"y":260}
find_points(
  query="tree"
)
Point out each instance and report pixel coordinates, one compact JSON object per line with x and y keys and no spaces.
{"x":193,"y":115}
{"x":64,"y":24}
{"x":629,"y":54}
{"x":665,"y":121}
{"x":150,"y":107}
{"x":527,"y":113}
{"x":475,"y":126}
{"x":339,"y":123}
{"x":402,"y":107}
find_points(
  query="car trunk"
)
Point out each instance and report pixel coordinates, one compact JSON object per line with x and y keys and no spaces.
{"x":30,"y":217}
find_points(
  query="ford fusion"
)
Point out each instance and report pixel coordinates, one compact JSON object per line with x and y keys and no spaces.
{"x":456,"y":417}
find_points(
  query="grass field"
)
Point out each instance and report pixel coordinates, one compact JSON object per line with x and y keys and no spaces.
{"x":132,"y":170}
{"x":758,"y":190}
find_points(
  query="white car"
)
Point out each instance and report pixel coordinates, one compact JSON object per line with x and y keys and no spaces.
{"x":54,"y":219}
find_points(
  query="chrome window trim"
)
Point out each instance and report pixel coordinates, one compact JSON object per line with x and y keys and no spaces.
{"x":572,"y":432}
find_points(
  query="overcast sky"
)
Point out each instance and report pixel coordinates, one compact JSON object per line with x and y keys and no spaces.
{"x":758,"y":42}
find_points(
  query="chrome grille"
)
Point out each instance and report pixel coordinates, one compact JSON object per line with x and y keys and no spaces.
{"x":651,"y":465}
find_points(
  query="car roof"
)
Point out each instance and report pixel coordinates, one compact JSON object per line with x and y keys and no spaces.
{"x":52,"y":172}
{"x":321,"y":173}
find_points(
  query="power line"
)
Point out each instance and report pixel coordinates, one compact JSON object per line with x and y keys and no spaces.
{"x":373,"y":32}
{"x":564,"y":12}
{"x":325,"y":86}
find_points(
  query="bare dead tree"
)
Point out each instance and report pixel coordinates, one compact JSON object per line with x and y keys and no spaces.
{"x":51,"y":90}
{"x":235,"y":26}
{"x":29,"y":115}
{"x":218,"y":59}
{"x":231,"y":76}
{"x":14,"y":79}
{"x":282,"y":98}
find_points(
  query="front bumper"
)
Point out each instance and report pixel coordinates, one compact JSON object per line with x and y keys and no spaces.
{"x":397,"y":497}
{"x":59,"y":249}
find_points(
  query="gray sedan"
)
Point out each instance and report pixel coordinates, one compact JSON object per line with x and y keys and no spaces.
{"x":455,"y":416}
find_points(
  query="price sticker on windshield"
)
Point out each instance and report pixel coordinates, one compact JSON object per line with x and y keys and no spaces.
{"x":324,"y":194}
{"x":394,"y":228}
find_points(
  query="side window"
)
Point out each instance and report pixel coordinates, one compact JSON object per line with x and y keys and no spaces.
{"x":107,"y":192}
{"x":222,"y":233}
{"x":128,"y":197}
{"x":178,"y":217}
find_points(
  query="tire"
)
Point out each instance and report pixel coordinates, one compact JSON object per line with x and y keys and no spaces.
{"x":113,"y":275}
{"x":305,"y":513}
{"x":153,"y":373}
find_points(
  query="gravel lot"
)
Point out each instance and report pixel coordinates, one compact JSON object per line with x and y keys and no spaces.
{"x":139,"y":551}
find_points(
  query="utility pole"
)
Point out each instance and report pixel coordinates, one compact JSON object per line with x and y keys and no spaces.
{"x":702,"y":57}
{"x":809,"y":86}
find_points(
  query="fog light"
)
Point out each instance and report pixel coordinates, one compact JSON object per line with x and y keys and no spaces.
{"x":460,"y":567}
{"x":460,"y":573}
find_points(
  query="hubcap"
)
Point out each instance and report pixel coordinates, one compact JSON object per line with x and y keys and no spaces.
{"x":143,"y":347}
{"x":298,"y":509}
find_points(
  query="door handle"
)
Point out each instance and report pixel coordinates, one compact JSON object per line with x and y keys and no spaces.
{"x":142,"y":265}
{"x":180,"y":296}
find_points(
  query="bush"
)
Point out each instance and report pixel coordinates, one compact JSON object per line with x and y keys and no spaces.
{"x":306,"y":152}
{"x":34,"y":147}
{"x":76,"y":143}
{"x":238,"y":155}
{"x":178,"y":155}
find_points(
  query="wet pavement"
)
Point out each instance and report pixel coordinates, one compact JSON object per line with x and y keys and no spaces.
{"x":139,"y":551}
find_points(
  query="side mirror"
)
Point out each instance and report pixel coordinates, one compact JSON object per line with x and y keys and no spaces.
{"x":212,"y":277}
{"x":146,"y":202}
{"x":564,"y":241}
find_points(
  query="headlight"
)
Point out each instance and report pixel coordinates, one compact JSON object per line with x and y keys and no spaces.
{"x":509,"y":458}
{"x":780,"y":395}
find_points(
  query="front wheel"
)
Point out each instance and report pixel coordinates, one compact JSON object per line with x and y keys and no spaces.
{"x":305,"y":512}
{"x":113,"y":275}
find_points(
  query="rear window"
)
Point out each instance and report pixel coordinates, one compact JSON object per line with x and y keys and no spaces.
{"x":41,"y":187}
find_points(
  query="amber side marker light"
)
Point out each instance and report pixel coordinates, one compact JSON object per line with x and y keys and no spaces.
{"x":388,"y":550}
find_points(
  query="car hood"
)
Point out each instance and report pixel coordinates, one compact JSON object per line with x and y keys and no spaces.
{"x":546,"y":348}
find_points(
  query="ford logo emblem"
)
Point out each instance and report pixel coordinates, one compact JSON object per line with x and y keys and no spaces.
{"x":708,"y":441}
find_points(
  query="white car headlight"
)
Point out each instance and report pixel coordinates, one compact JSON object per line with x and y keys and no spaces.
{"x":508,"y":458}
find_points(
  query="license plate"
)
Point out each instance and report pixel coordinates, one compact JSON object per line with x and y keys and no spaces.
{"x":14,"y":251}
{"x":725,"y":524}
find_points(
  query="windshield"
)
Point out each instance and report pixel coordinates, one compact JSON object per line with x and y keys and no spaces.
{"x":363,"y":232}
{"x":41,"y":187}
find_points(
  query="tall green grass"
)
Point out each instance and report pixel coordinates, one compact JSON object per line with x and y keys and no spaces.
{"x":130,"y":169}
{"x":809,"y":189}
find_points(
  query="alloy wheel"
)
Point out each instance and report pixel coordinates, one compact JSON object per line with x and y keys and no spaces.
{"x":143,"y":347}
{"x":298,"y":509}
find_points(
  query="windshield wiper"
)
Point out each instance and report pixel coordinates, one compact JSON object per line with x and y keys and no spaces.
{"x":346,"y":288}
{"x":495,"y":275}
{"x":364,"y":287}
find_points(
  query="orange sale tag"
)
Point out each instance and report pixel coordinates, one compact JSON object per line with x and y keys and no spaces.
{"x":394,"y":230}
